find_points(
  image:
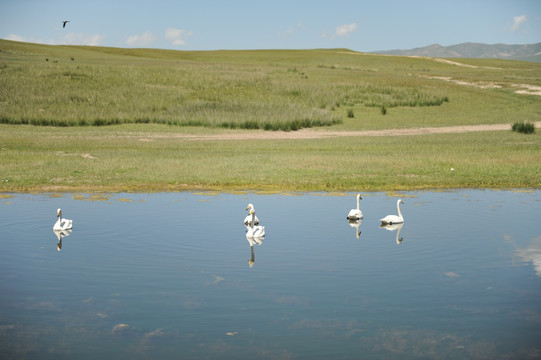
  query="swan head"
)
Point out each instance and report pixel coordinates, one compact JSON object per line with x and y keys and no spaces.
{"x":58,"y":213}
{"x":359,"y":196}
{"x":249,"y":207}
{"x":400,"y":201}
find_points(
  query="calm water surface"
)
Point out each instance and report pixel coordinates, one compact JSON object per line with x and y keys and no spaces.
{"x":173,"y":276}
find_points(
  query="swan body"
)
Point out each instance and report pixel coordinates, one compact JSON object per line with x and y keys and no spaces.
{"x":248,"y":218}
{"x":61,"y":223}
{"x":256,"y":232}
{"x":252,"y":230}
{"x":356,"y":214}
{"x":394,"y":219}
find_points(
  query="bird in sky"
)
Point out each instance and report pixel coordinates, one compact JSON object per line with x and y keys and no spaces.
{"x":64,"y":23}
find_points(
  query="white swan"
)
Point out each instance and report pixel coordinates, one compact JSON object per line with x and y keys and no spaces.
{"x":393,"y":219}
{"x":254,"y":231}
{"x":62,"y":224}
{"x":356,"y":214}
{"x":248,"y":218}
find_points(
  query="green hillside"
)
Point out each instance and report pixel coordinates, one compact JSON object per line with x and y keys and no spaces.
{"x":184,"y":120}
{"x":270,"y":89}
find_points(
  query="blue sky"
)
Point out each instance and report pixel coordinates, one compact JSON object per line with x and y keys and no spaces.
{"x":277,"y":24}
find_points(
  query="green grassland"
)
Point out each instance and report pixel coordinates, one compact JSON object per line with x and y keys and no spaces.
{"x":76,"y":118}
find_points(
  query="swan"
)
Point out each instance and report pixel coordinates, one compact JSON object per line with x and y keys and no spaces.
{"x":62,"y":224}
{"x":356,"y":214}
{"x":254,"y":231}
{"x":393,"y":219}
{"x":248,"y":218}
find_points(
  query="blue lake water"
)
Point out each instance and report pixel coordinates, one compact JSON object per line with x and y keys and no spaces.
{"x":173,"y":276}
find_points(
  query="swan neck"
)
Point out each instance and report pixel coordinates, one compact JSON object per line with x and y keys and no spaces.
{"x":398,"y":209}
{"x":357,"y":203}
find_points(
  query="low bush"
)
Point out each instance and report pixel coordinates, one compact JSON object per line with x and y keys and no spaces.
{"x":523,"y":127}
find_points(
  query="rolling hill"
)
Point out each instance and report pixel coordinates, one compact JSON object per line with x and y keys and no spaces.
{"x":530,"y":52}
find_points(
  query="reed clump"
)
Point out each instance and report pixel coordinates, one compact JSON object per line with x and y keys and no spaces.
{"x":523,"y":127}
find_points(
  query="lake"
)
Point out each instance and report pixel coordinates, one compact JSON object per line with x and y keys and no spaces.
{"x":173,"y":276}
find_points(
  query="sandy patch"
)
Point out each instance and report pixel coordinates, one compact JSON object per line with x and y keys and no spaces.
{"x":444,"y":61}
{"x":525,"y":89}
{"x":321,"y":134}
{"x":528,"y":89}
{"x":480,"y":85}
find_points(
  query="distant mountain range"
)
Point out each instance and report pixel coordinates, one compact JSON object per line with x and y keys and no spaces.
{"x":530,"y":52}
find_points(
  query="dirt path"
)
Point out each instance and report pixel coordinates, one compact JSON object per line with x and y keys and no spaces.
{"x":320,"y":133}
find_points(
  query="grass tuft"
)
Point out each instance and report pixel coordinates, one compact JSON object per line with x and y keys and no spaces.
{"x":523,"y":127}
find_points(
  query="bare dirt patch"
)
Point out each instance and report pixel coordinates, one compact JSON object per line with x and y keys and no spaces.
{"x":528,"y":89}
{"x":480,"y":85}
{"x":524,"y":89}
{"x":444,"y":61}
{"x":320,"y":133}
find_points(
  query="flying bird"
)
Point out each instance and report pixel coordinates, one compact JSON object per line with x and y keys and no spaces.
{"x":64,"y":23}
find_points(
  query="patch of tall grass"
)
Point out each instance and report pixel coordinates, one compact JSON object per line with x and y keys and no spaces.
{"x":270,"y":89}
{"x":523,"y":127}
{"x":209,"y":93}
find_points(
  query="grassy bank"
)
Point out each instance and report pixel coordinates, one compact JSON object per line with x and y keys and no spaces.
{"x":55,"y":103}
{"x":143,"y":158}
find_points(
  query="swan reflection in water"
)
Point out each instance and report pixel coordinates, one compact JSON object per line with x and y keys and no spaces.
{"x":394,"y":227}
{"x":355,"y":224}
{"x":253,"y":241}
{"x":61,"y":234}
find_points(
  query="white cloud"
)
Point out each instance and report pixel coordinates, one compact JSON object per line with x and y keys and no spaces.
{"x":15,"y":37}
{"x":518,"y":21}
{"x":293,"y":29}
{"x":177,"y":36}
{"x":82,"y":39}
{"x":68,"y":39}
{"x":144,"y":39}
{"x":532,"y":254}
{"x":342,"y":30}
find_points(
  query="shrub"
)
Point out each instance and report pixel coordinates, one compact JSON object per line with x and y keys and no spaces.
{"x":350,"y":113}
{"x":383,"y":110}
{"x":522,"y":127}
